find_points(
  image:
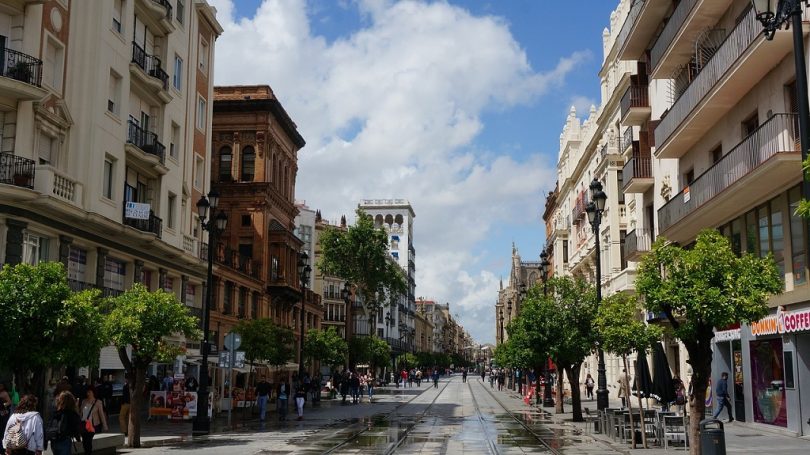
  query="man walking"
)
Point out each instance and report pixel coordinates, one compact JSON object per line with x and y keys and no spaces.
{"x":435,"y":378}
{"x":721,"y":390}
{"x":263,"y":391}
{"x":624,"y":387}
{"x":463,"y":375}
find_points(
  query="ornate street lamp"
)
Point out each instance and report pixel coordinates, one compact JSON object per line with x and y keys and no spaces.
{"x":548,"y":401}
{"x":215,"y":225}
{"x":775,"y":14}
{"x":304,"y":270}
{"x":595,"y":209}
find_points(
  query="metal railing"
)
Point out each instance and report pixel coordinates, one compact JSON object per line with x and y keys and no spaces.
{"x":203,"y":251}
{"x":580,"y":203}
{"x":16,"y":170}
{"x":237,"y":261}
{"x":150,"y":64}
{"x":779,"y":134}
{"x":333,"y":318}
{"x":153,"y":225}
{"x":674,"y":24}
{"x":632,"y":16}
{"x":77,"y":286}
{"x":603,"y":151}
{"x":635,"y":96}
{"x":637,"y":241}
{"x":146,"y":141}
{"x":734,"y":46}
{"x":637,"y":167}
{"x":626,"y":141}
{"x":20,"y":67}
{"x":167,"y":5}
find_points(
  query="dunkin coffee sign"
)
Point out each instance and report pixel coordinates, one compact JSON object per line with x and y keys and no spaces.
{"x":782,"y":322}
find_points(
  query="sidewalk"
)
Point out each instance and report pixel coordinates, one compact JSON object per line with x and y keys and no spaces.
{"x":160,"y":431}
{"x":741,"y":438}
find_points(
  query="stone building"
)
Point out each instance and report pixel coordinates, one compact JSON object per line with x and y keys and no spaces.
{"x":255,"y":148}
{"x":522,"y":275}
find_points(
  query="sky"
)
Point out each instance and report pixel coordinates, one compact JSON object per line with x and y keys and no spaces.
{"x":456,"y":106}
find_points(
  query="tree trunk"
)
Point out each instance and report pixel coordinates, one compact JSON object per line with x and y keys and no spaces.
{"x":559,"y":408}
{"x":573,"y":379}
{"x":629,"y":403}
{"x":136,"y":400}
{"x":641,"y":413}
{"x":700,"y":357}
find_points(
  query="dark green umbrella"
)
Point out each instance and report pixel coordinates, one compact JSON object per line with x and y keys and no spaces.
{"x":663,"y":385}
{"x":642,"y":385}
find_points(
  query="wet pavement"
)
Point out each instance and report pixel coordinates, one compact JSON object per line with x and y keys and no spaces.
{"x":456,"y":417}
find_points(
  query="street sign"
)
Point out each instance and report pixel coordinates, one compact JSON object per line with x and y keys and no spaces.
{"x":224,"y":359}
{"x":232,"y":341}
{"x":239,"y":359}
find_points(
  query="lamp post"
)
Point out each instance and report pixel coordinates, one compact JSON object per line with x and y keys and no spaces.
{"x":595,"y":209}
{"x":303,"y":274}
{"x":215,"y":225}
{"x":775,"y":14}
{"x":548,"y":401}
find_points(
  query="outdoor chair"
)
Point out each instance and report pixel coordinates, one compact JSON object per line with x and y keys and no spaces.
{"x":675,"y":430}
{"x":589,"y":420}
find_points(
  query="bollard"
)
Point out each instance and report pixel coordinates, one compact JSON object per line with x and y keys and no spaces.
{"x":712,"y":437}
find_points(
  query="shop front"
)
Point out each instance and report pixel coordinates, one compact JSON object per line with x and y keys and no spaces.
{"x":728,"y":357}
{"x":775,"y":354}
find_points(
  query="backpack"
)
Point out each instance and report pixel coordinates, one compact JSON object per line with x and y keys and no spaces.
{"x":16,"y":436}
{"x":52,"y":432}
{"x":679,"y":397}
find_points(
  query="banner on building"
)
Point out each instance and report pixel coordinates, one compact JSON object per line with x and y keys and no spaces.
{"x":137,"y":210}
{"x":782,"y":322}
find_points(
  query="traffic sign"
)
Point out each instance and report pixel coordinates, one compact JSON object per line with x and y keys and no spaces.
{"x":232,"y":341}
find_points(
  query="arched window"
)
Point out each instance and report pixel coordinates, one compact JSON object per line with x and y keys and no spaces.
{"x":225,"y":159}
{"x":248,"y":164}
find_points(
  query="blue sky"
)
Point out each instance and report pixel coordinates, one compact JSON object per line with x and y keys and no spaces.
{"x":457,"y":106}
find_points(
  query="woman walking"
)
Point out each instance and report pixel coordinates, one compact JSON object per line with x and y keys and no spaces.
{"x":281,"y":401}
{"x":66,"y":422}
{"x":93,"y":419}
{"x":589,"y":387}
{"x":23,"y":434}
{"x":300,"y":398}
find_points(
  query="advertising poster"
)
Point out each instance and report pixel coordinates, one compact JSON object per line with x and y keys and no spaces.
{"x":158,"y":405}
{"x":178,"y":398}
{"x":191,"y":404}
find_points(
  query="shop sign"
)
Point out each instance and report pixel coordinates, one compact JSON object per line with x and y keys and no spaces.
{"x":137,"y":211}
{"x":727,"y":335}
{"x":782,"y":322}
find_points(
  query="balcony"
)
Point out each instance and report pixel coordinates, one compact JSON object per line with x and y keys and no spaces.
{"x":579,"y":207}
{"x":78,"y":286}
{"x":636,"y":243}
{"x":53,"y":182}
{"x":22,"y":75}
{"x":635,"y":105}
{"x":16,"y":170}
{"x":640,"y":27}
{"x":146,"y":146}
{"x":676,"y":44}
{"x":762,"y":163}
{"x":637,"y":173}
{"x":233,"y":259}
{"x":333,"y":318}
{"x":157,"y":14}
{"x":626,"y":141}
{"x":152,"y":225}
{"x":148,"y":69}
{"x":740,"y":62}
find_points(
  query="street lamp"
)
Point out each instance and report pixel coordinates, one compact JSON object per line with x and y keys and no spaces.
{"x":215,"y":225}
{"x":595,"y":209}
{"x":548,"y":401}
{"x":303,"y":274}
{"x":775,"y":14}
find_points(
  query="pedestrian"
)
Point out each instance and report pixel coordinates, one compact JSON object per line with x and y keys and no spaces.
{"x":300,"y":398}
{"x":435,"y":378}
{"x":344,"y":386}
{"x":5,"y":410}
{"x":80,"y":388}
{"x":281,"y":401}
{"x":64,"y":426}
{"x":403,"y":375}
{"x":24,"y":434}
{"x":355,"y":386}
{"x":191,"y":384}
{"x":721,"y":391}
{"x":491,"y":379}
{"x":680,"y":393}
{"x":263,"y":395}
{"x":624,"y":387}
{"x":93,"y":419}
{"x":501,"y":379}
{"x":589,"y":387}
{"x":123,"y":414}
{"x":370,"y":384}
{"x":463,"y":375}
{"x":418,"y":377}
{"x":168,"y":382}
{"x":483,"y":375}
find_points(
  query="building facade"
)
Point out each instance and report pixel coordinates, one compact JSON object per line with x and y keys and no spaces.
{"x":329,"y":287}
{"x":522,"y":275}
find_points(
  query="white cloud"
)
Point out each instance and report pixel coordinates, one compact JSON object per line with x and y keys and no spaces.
{"x":393,"y":110}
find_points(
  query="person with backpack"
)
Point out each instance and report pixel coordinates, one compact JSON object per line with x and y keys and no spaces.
{"x":5,"y":411}
{"x":93,"y":419}
{"x":24,"y":434}
{"x":65,"y":425}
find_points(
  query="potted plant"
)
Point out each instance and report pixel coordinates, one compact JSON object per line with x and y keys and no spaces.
{"x":20,"y":71}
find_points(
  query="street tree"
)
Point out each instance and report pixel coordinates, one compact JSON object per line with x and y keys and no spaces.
{"x":700,"y":289}
{"x":44,"y":324}
{"x":408,"y":361}
{"x":282,"y":346}
{"x":622,"y":331}
{"x":257,"y":338}
{"x":325,"y":346}
{"x":140,"y":320}
{"x":359,"y":254}
{"x":370,"y":350}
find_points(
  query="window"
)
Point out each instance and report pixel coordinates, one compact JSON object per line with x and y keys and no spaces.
{"x":254,"y":306}
{"x":181,"y":10}
{"x":688,"y":177}
{"x":225,"y":159}
{"x":203,"y":55}
{"x":114,"y":274}
{"x":248,"y":164}
{"x":751,"y":238}
{"x":717,"y":153}
{"x":174,"y":145}
{"x":242,"y":302}
{"x":53,"y":64}
{"x":245,"y":220}
{"x":620,"y":181}
{"x":114,"y":93}
{"x":798,"y":242}
{"x":199,"y":171}
{"x":77,"y":264}
{"x":171,"y":209}
{"x":764,"y":232}
{"x":778,"y":233}
{"x":107,"y":190}
{"x":168,"y":284}
{"x":202,"y":111}
{"x":47,"y":149}
{"x":118,"y":7}
{"x":246,"y":247}
{"x":191,"y":290}
{"x":177,"y":79}
{"x":750,"y":125}
{"x":35,"y":248}
{"x":227,"y":298}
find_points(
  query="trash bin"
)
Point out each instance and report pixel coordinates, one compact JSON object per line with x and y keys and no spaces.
{"x":712,"y":437}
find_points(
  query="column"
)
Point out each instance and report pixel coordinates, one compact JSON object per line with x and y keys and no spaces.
{"x":101,"y":262}
{"x":14,"y":241}
{"x":137,"y":276}
{"x":183,"y":286}
{"x":64,"y":249}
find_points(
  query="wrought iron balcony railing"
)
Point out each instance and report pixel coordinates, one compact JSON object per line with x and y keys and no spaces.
{"x":20,"y":67}
{"x":146,"y":141}
{"x":16,"y":170}
{"x":150,"y":64}
{"x":153,"y":225}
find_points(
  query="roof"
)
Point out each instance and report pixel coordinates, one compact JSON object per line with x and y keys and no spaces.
{"x":238,"y":98}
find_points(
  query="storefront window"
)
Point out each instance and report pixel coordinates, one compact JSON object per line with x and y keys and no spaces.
{"x":797,"y":241}
{"x":778,"y":234}
{"x":767,"y":382}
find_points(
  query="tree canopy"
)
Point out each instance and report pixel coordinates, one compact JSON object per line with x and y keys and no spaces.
{"x":259,"y":339}
{"x":620,"y":328}
{"x":325,"y":346}
{"x":371,"y":350}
